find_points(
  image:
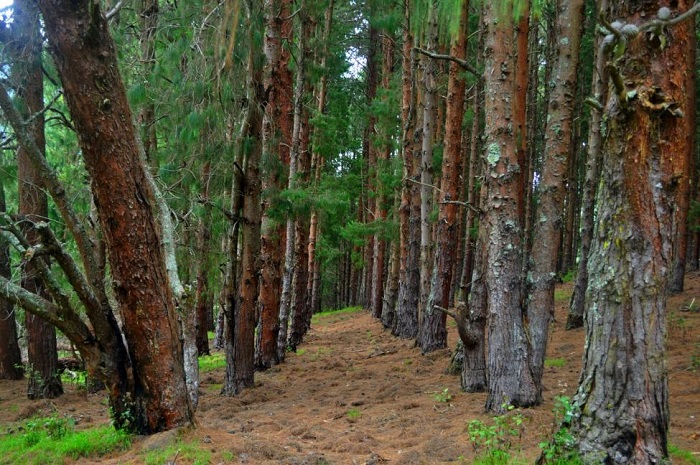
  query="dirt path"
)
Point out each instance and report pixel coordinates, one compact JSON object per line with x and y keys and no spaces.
{"x":355,"y":394}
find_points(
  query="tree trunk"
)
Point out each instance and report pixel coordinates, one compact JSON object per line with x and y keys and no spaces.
{"x":550,"y":210}
{"x":274,"y":143}
{"x":590,"y":186}
{"x":434,"y":331}
{"x":10,"y":354}
{"x":510,"y":379}
{"x":81,"y":46}
{"x":148,"y":21}
{"x":44,"y":381}
{"x":409,"y":212}
{"x":623,"y":390}
{"x":289,"y":255}
{"x":203,"y":302}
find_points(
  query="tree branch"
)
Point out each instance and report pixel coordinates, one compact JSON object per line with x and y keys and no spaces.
{"x":463,"y":63}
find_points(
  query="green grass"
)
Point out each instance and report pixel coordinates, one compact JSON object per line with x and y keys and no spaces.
{"x":48,"y":441}
{"x":554,"y":362}
{"x":212,"y":362}
{"x":686,"y":456}
{"x":353,"y":415}
{"x":562,"y":295}
{"x":334,"y":315}
{"x":187,"y":452}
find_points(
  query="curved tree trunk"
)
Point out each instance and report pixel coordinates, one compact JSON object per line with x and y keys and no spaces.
{"x":623,"y":390}
{"x":81,"y":46}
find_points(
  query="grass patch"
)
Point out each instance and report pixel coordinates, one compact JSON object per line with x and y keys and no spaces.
{"x":51,"y":440}
{"x":554,"y":362}
{"x":562,"y":295}
{"x":680,"y":454}
{"x":188,"y":452}
{"x":334,"y":315}
{"x":353,"y":415}
{"x":212,"y":362}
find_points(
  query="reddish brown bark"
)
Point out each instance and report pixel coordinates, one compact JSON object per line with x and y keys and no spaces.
{"x":10,"y":355}
{"x":510,"y":380}
{"x":81,"y":46}
{"x":623,"y":391}
{"x":203,"y":305}
{"x":406,"y":323}
{"x":42,"y":375}
{"x":434,"y":331}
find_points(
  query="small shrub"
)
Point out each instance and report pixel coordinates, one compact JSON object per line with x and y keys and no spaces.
{"x":443,"y":396}
{"x":492,"y":443}
{"x":353,"y":415}
{"x":560,"y":450}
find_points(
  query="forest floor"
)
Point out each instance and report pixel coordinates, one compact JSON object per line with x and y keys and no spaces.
{"x":353,"y":394}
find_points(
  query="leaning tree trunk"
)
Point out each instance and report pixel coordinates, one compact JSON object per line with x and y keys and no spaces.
{"x":81,"y":46}
{"x":550,"y":211}
{"x":622,"y":397}
{"x":44,"y":381}
{"x":510,"y":380}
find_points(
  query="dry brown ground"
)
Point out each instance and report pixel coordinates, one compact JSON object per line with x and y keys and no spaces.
{"x":298,"y":412}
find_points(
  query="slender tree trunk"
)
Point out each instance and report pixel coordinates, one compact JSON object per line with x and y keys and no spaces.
{"x":81,"y":46}
{"x":240,"y":374}
{"x":289,"y":255}
{"x":552,"y":187}
{"x":148,"y":18}
{"x":203,"y":299}
{"x":434,"y":331}
{"x":409,"y":278}
{"x":623,"y":389}
{"x":44,"y":381}
{"x":590,"y":186}
{"x":10,"y":354}
{"x":510,"y":379}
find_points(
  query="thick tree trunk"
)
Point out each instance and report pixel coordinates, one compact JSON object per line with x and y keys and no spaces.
{"x":409,"y":212}
{"x":434,"y":331}
{"x":81,"y":46}
{"x":550,"y":210}
{"x":510,"y":379}
{"x":623,"y":390}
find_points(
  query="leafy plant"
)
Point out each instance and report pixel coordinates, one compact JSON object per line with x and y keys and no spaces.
{"x":493,"y":442}
{"x":353,"y":415}
{"x":443,"y":396}
{"x":211,"y":362}
{"x":560,"y":450}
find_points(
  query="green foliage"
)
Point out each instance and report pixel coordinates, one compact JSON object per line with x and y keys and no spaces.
{"x":51,"y":440}
{"x":569,"y":276}
{"x":493,"y":442}
{"x":212,"y":362}
{"x":554,"y":362}
{"x":334,"y":315}
{"x":562,"y":295}
{"x":561,"y":449}
{"x":682,"y":454}
{"x":444,"y":396}
{"x":189,"y":452}
{"x":353,"y":415}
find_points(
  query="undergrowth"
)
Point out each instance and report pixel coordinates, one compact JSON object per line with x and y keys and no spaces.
{"x":51,"y":440}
